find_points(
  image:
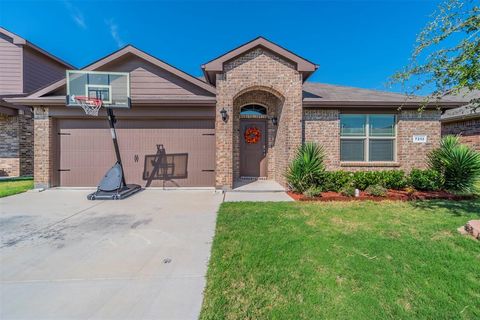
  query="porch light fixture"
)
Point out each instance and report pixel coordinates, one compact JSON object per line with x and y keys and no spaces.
{"x":223,"y":113}
{"x":274,"y":121}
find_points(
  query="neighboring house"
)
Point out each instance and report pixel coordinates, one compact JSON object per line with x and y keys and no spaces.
{"x":464,"y":122}
{"x":24,"y":67}
{"x":261,"y":86}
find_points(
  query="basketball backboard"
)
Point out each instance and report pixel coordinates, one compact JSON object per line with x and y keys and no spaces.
{"x":113,"y":88}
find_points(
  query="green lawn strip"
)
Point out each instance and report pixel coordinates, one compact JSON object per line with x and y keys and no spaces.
{"x":344,"y":260}
{"x":14,"y":186}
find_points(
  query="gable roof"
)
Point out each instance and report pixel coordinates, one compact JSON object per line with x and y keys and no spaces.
{"x":465,"y":112}
{"x":321,"y":94}
{"x":153,"y":60}
{"x":215,"y":66}
{"x":16,"y":39}
{"x":128,"y":49}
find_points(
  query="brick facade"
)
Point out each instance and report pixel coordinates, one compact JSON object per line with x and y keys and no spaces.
{"x":44,"y":147}
{"x":468,"y":130}
{"x":261,"y":76}
{"x":412,"y":122}
{"x":323,"y":127}
{"x":275,"y":81}
{"x":16,"y":145}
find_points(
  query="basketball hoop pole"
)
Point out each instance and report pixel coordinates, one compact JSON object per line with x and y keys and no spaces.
{"x":93,"y":90}
{"x":111,"y":122}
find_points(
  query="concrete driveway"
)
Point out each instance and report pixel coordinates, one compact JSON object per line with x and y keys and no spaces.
{"x":64,"y":257}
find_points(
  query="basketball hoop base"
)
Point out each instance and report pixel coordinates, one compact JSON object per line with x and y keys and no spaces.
{"x":122,"y":193}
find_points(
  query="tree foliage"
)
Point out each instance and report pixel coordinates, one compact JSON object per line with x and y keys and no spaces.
{"x":446,"y":58}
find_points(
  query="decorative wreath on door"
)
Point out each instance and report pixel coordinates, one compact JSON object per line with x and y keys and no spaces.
{"x":252,"y":135}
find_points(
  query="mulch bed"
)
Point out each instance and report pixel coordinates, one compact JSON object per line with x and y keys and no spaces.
{"x":398,"y":195}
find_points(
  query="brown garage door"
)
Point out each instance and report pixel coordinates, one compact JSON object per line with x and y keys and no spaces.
{"x":154,"y":153}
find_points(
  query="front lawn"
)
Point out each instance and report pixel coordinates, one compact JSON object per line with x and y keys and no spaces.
{"x":13,"y":186}
{"x":365,"y":260}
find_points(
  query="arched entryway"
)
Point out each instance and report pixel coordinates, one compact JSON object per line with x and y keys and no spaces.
{"x":255,"y":126}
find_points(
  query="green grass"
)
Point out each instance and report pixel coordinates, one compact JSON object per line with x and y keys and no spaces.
{"x":365,"y":260}
{"x":13,"y":186}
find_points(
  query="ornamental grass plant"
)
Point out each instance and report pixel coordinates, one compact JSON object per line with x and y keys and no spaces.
{"x":457,"y":163}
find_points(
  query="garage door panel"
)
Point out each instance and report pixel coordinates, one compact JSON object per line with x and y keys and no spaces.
{"x":87,"y":150}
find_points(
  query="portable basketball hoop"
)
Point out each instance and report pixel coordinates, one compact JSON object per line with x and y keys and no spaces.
{"x":91,"y":106}
{"x":93,"y":90}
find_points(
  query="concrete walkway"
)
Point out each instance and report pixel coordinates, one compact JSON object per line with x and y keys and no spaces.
{"x":64,"y":257}
{"x":259,"y":190}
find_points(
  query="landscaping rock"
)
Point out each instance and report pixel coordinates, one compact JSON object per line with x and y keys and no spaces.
{"x":473,"y":228}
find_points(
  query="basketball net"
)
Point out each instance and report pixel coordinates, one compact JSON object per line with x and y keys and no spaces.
{"x":91,"y":106}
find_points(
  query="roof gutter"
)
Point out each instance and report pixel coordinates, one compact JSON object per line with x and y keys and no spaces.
{"x":461,"y":118}
{"x":60,"y":101}
{"x":340,"y":104}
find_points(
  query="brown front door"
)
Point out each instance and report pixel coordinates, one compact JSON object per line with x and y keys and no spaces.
{"x":253,"y":149}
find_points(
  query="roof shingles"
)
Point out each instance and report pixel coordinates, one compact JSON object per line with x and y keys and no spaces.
{"x":321,"y":93}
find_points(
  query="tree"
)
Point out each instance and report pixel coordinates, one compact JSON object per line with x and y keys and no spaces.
{"x":446,"y":58}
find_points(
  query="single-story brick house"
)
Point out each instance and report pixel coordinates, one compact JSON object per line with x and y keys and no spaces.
{"x":464,"y":122}
{"x":24,"y":67}
{"x":258,"y":87}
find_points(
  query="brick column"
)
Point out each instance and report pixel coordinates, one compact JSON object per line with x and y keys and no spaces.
{"x":224,"y":139}
{"x":293,"y":109}
{"x":43,"y":138}
{"x":25,"y":147}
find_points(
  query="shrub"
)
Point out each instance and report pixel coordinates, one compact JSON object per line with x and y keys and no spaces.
{"x":394,"y":179}
{"x":307,"y":168}
{"x":459,"y":164}
{"x":376,"y":190}
{"x":312,"y":192}
{"x":363,"y":179}
{"x":428,"y":180}
{"x":335,"y":180}
{"x":348,"y":190}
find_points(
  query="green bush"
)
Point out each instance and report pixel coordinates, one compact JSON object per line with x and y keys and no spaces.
{"x":376,"y":190}
{"x":348,"y":191}
{"x":312,"y":192}
{"x":307,"y":168}
{"x":457,"y":163}
{"x":427,"y":180}
{"x":335,"y":180}
{"x":394,"y":179}
{"x":363,"y":179}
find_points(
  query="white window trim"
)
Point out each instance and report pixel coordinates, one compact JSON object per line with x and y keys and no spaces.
{"x":366,"y":138}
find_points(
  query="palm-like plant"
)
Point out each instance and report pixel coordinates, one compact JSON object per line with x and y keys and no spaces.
{"x":459,"y":164}
{"x":307,"y":168}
